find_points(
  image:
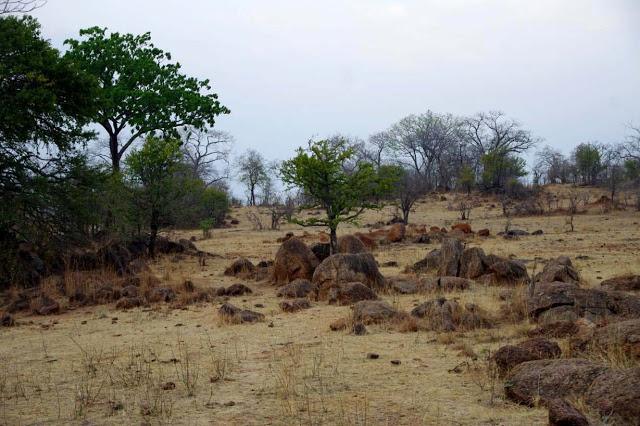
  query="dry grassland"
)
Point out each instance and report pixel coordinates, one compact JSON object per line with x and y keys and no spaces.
{"x":185,"y":366}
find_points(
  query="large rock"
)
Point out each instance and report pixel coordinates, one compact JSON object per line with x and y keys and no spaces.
{"x":429,"y":263}
{"x":321,"y":250}
{"x":242,"y":268}
{"x":509,"y":272}
{"x":234,"y":314}
{"x":473,"y":263}
{"x":116,"y":256}
{"x":351,"y":244}
{"x":445,"y":284}
{"x":345,"y":268}
{"x":558,"y":270}
{"x":562,"y":301}
{"x":627,"y":282}
{"x":396,"y":232}
{"x":507,"y":357}
{"x":465,"y":228}
{"x":616,"y":395}
{"x":368,"y":242}
{"x":294,"y":305}
{"x":298,"y":288}
{"x":349,"y":293}
{"x":373,"y":311}
{"x":561,"y":413}
{"x":450,"y":255}
{"x":294,"y":260}
{"x":550,"y":378}
{"x":439,"y":314}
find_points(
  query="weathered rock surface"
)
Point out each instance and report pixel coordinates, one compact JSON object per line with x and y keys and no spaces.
{"x":298,"y":288}
{"x":294,"y":260}
{"x":628,"y":282}
{"x":294,"y":305}
{"x":237,"y":315}
{"x":558,"y":270}
{"x":349,"y":293}
{"x":561,"y":301}
{"x":373,"y":311}
{"x":345,"y":268}
{"x":450,"y":255}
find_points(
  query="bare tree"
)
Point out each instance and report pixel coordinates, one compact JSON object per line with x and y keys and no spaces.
{"x":410,"y":188}
{"x":252,"y":172}
{"x":573,"y":198}
{"x":20,"y":6}
{"x":431,"y":144}
{"x":493,"y":132}
{"x":612,"y":164}
{"x":203,"y":150}
{"x":631,"y":147}
{"x":552,"y":166}
{"x":281,"y":210}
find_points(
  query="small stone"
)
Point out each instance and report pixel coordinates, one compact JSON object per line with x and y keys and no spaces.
{"x":396,"y":362}
{"x":372,"y":355}
{"x":168,"y":386}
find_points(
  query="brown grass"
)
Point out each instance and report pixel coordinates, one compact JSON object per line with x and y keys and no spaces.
{"x":296,"y":371}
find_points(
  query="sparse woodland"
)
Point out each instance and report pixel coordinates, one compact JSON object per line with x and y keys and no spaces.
{"x":425,"y":275}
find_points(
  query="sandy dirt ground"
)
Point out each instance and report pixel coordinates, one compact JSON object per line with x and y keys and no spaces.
{"x":156,"y":365}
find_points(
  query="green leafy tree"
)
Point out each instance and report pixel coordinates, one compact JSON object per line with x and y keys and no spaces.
{"x":588,"y":162}
{"x":152,"y":168}
{"x":466,"y":179}
{"x":632,"y":169}
{"x":140,"y":90}
{"x":319,"y":171}
{"x":44,"y":102}
{"x":500,"y":168}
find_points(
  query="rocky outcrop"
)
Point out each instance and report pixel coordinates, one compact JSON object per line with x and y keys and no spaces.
{"x":294,"y":260}
{"x":346,"y":268}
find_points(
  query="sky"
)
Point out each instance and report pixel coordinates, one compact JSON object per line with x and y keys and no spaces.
{"x":290,"y":70}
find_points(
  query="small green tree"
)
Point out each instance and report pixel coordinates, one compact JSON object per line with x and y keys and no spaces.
{"x":344,"y":195}
{"x":466,"y":179}
{"x":499,"y":168}
{"x":588,"y":162}
{"x":152,"y":169}
{"x":140,"y":90}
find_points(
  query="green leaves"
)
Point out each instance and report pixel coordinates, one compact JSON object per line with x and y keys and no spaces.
{"x":320,"y":172}
{"x":140,"y":89}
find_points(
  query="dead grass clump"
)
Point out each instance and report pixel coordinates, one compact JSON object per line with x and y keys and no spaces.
{"x":466,"y":350}
{"x":515,"y":308}
{"x":615,"y":354}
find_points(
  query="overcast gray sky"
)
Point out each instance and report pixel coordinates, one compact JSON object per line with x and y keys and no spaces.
{"x":569,"y":70}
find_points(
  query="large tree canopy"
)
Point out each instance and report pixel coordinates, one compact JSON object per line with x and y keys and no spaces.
{"x":140,"y":89}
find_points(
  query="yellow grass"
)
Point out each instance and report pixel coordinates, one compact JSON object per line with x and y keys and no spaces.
{"x":289,"y":369}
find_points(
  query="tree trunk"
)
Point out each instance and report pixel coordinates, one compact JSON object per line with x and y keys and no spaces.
{"x":252,"y":200}
{"x":334,"y":241}
{"x":113,"y":150}
{"x":405,"y":215}
{"x":154,"y":232}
